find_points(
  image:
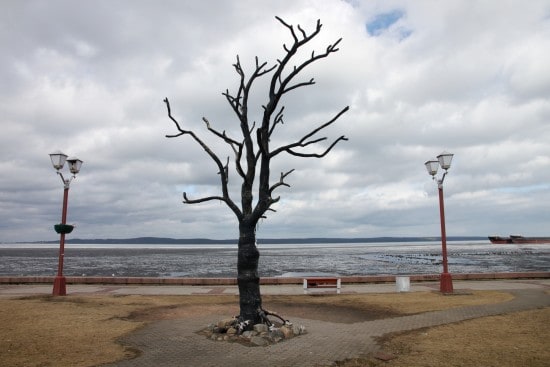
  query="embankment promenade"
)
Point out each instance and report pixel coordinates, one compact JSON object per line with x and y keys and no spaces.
{"x":263,"y":281}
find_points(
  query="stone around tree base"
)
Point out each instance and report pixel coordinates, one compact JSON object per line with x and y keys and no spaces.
{"x":261,"y":335}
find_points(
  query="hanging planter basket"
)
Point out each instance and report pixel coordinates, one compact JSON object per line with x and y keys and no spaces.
{"x":63,"y":228}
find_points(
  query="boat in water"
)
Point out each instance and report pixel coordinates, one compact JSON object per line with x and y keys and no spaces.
{"x":518,"y":240}
{"x":498,"y":240}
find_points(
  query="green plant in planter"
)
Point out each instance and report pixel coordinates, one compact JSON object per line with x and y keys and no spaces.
{"x":63,"y":228}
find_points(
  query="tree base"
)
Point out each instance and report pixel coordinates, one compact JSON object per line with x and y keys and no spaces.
{"x":258,"y":335}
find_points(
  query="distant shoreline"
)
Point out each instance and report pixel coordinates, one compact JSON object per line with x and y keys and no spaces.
{"x":206,"y":241}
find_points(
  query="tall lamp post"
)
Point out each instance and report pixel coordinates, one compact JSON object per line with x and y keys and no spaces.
{"x":443,"y":160}
{"x":58,"y":161}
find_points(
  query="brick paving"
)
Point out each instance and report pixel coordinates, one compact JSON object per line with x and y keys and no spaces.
{"x":171,"y":343}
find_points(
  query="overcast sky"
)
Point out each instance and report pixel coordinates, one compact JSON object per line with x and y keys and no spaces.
{"x":420,"y":77}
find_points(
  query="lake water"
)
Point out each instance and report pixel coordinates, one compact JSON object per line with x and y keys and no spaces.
{"x":275,"y":260}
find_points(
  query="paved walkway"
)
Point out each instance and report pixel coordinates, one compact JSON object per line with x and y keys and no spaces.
{"x":17,"y":290}
{"x":171,"y":343}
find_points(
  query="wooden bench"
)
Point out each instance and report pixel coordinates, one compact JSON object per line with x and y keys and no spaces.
{"x":322,"y":282}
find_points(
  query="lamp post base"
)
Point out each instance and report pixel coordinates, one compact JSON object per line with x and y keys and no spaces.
{"x":446,"y":283}
{"x":59,"y":286}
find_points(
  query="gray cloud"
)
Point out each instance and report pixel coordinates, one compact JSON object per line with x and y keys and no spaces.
{"x":89,"y":78}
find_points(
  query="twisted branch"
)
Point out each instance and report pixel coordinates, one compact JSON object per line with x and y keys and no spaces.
{"x":223,"y":170}
{"x":303,"y":142}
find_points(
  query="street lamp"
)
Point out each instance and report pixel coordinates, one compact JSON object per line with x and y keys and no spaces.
{"x":58,"y":161}
{"x":443,"y":160}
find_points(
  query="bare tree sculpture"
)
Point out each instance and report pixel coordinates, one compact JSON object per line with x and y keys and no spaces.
{"x":253,"y":154}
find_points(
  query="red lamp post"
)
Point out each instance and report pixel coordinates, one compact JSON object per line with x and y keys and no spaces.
{"x":58,"y":161}
{"x":443,"y":160}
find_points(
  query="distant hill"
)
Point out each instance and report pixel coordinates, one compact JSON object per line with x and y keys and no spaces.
{"x":206,"y":241}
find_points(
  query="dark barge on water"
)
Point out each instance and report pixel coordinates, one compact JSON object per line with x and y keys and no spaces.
{"x":518,"y":240}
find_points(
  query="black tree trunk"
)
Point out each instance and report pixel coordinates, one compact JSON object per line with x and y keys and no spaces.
{"x":247,"y":270}
{"x":254,"y":147}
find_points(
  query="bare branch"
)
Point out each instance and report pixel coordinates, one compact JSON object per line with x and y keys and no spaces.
{"x":279,"y":84}
{"x":303,"y":142}
{"x":302,"y":31}
{"x":173,"y":119}
{"x":223,"y":136}
{"x":297,"y":69}
{"x":254,"y":152}
{"x":316,"y":155}
{"x":173,"y":135}
{"x":186,"y":200}
{"x":277,"y":120}
{"x":225,"y":171}
{"x":280,"y":183}
{"x":289,"y":27}
{"x":235,"y":146}
{"x":311,"y":82}
{"x":238,"y":166}
{"x":224,"y":178}
{"x":344,"y":110}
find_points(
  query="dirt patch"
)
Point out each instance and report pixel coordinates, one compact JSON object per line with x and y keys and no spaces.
{"x":331,"y":313}
{"x":324,"y":312}
{"x":346,"y":309}
{"x":353,"y":308}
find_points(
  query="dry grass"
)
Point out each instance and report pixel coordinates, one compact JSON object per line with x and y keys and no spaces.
{"x":82,"y":330}
{"x":73,"y":330}
{"x":519,"y":339}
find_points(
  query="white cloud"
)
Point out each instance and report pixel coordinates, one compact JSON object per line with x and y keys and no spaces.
{"x":89,"y":78}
